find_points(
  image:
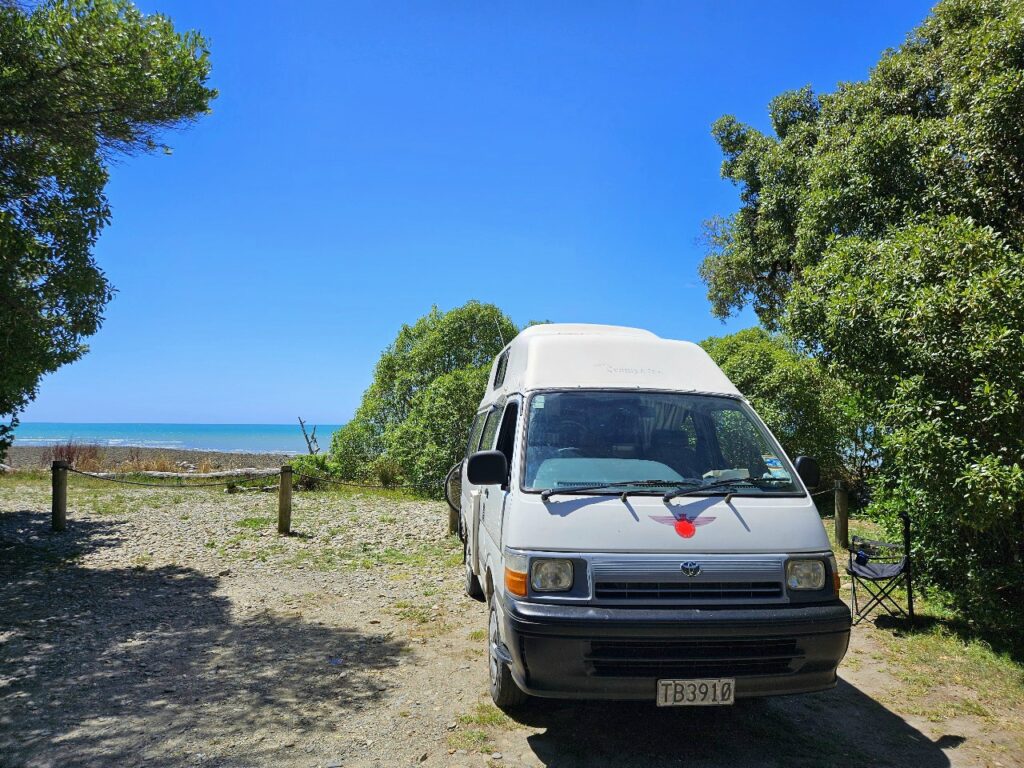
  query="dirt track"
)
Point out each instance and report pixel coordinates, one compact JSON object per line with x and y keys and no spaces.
{"x":175,"y":628}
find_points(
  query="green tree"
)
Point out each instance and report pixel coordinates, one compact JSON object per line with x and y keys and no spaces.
{"x":810,"y":411}
{"x":929,"y":322}
{"x":81,"y":81}
{"x":936,"y":128}
{"x":882,"y":227}
{"x":434,"y":434}
{"x":413,"y":383}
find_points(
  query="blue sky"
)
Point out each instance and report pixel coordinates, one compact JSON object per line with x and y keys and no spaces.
{"x":367,"y":160}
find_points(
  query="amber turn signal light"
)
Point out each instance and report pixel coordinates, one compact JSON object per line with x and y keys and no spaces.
{"x":515,"y":582}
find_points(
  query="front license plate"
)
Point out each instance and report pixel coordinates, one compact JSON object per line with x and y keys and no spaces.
{"x":696,"y":693}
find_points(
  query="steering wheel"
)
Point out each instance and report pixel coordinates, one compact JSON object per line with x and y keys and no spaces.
{"x":580,"y":431}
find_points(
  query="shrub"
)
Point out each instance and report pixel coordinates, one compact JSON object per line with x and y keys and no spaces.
{"x":811,"y":412}
{"x":433,"y":437}
{"x":929,"y":322}
{"x":81,"y":456}
{"x":386,"y":471}
{"x":425,"y":389}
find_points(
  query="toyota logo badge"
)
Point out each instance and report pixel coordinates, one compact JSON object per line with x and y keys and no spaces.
{"x":690,"y":568}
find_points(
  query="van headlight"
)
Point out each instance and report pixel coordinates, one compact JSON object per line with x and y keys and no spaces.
{"x":805,"y":574}
{"x":551,"y":575}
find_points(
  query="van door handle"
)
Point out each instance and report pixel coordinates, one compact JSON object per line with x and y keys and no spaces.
{"x":487,"y":492}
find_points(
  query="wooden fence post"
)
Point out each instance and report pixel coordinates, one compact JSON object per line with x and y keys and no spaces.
{"x":59,"y":516}
{"x":453,"y":509}
{"x":909,"y":569}
{"x":842,"y":516}
{"x":284,"y":501}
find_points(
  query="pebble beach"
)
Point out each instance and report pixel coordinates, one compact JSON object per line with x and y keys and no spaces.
{"x":111,"y":458}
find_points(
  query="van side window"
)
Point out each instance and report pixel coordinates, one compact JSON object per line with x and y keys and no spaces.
{"x":490,"y":429}
{"x":499,"y":371}
{"x":507,"y":435}
{"x":474,"y":433}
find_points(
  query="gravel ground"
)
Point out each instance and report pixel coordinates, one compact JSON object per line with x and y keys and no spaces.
{"x":174,"y":627}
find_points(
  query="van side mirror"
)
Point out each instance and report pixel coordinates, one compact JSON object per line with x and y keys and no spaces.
{"x":487,"y":468}
{"x":808,"y":470}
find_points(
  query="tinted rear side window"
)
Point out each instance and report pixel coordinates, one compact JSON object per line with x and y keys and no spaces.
{"x":490,"y":429}
{"x":499,"y":371}
{"x":474,"y":433}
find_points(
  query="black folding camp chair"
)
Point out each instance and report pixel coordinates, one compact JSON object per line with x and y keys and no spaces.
{"x":879,"y":567}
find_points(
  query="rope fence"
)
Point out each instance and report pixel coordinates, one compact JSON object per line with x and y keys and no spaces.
{"x":223,"y":483}
{"x":285,"y":475}
{"x":60,"y":470}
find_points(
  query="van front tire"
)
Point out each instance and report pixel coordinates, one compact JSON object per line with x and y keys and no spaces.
{"x":504,"y":691}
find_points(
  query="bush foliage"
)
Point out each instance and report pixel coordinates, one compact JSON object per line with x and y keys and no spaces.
{"x":930,"y":322}
{"x":414,"y":418}
{"x":882,"y":227}
{"x":811,"y":412}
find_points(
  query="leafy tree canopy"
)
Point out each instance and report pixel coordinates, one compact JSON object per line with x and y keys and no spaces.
{"x":425,"y":390}
{"x":809,"y":411}
{"x":936,"y":128}
{"x":80,"y":81}
{"x":881,"y":226}
{"x":929,"y":323}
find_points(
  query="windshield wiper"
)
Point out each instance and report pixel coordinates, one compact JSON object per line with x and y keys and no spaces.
{"x":758,"y":483}
{"x":549,"y":492}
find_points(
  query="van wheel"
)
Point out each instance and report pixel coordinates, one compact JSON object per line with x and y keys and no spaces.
{"x":504,"y":691}
{"x":473,"y":588}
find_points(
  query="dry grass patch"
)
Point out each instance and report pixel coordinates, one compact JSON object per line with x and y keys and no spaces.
{"x":471,"y":740}
{"x":942,"y":669}
{"x":486,"y":715}
{"x":82,"y":456}
{"x":476,"y":728}
{"x":945,"y":675}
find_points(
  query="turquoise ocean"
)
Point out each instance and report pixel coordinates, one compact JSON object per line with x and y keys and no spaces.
{"x":239,"y":438}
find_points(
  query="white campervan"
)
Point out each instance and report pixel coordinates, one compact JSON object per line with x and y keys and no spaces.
{"x":637,"y":531}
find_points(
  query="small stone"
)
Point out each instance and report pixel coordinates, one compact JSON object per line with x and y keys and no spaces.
{"x":452,"y":726}
{"x":423,"y":758}
{"x":225,"y":572}
{"x":496,"y":756}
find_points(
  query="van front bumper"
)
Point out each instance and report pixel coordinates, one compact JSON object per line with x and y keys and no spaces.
{"x":587,"y":652}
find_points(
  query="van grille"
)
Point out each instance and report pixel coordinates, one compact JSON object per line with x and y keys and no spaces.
{"x":703,"y":657}
{"x":697,"y":590}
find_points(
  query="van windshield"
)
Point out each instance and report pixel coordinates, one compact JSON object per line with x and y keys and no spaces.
{"x":583,"y":438}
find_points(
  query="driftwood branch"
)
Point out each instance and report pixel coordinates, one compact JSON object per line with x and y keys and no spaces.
{"x":311,"y":443}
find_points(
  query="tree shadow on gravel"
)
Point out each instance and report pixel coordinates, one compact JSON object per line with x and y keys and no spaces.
{"x":841,"y":727}
{"x":115,"y":666}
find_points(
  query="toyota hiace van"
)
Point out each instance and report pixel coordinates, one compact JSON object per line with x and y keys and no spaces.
{"x":638,"y":533}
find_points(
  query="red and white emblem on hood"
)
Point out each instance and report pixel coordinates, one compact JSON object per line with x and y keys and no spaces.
{"x":684,"y":526}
